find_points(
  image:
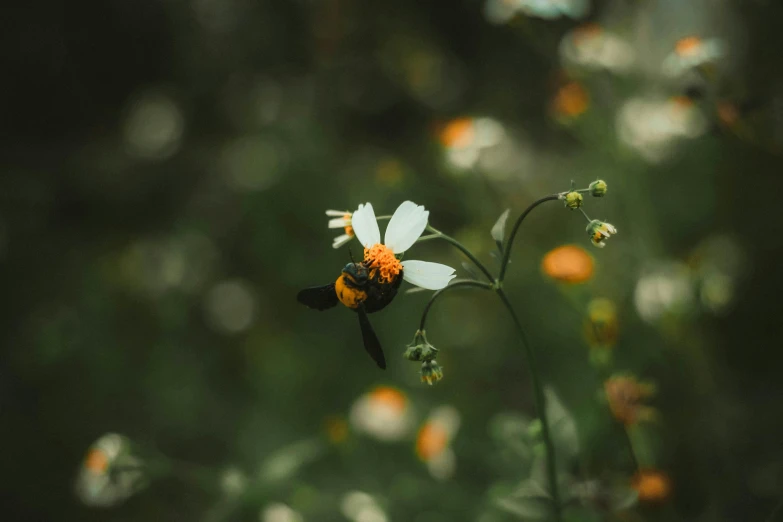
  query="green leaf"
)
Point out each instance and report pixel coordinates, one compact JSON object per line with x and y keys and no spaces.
{"x":563,"y":427}
{"x":527,"y":500}
{"x":499,"y":229}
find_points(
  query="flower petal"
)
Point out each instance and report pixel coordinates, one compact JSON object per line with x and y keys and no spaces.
{"x":337,"y":213}
{"x":340,"y":222}
{"x":405,"y":227}
{"x":432,"y":276}
{"x":341,"y":240}
{"x":365,"y":226}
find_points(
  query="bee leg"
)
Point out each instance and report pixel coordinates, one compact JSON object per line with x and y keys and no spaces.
{"x":371,"y":342}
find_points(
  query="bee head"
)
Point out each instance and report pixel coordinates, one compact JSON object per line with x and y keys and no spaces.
{"x":357,"y":271}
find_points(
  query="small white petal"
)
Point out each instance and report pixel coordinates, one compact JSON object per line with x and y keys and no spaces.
{"x":339,"y":223}
{"x":341,"y":240}
{"x":336,"y":213}
{"x":365,"y":226}
{"x":405,"y":227}
{"x":432,"y":276}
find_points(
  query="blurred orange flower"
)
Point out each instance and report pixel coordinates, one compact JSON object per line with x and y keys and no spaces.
{"x":625,"y":395}
{"x":569,"y":264}
{"x":651,"y":485}
{"x":601,"y":324}
{"x":570,"y":101}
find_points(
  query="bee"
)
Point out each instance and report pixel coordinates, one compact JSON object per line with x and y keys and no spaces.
{"x":360,"y":288}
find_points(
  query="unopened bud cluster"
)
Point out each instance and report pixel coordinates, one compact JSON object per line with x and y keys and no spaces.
{"x":420,"y":350}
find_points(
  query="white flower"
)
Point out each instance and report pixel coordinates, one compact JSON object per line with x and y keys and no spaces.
{"x":593,"y":47}
{"x":433,"y":442}
{"x":405,"y":227}
{"x":384,"y":413}
{"x":341,"y":219}
{"x":599,"y":232}
{"x":551,"y":9}
{"x":691,"y":52}
{"x":109,"y":474}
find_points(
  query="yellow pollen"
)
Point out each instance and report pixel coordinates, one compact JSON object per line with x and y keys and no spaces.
{"x":349,"y":230}
{"x":381,"y":261}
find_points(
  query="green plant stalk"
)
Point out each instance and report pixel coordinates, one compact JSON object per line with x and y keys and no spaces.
{"x":496,"y":284}
{"x":510,"y":242}
{"x":454,"y":284}
{"x":437,"y":234}
{"x":538,"y":389}
{"x":538,"y":392}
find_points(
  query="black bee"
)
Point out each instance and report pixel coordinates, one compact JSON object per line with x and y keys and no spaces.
{"x":361,"y":289}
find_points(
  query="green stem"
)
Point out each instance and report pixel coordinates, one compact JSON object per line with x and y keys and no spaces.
{"x":510,"y":243}
{"x":461,"y":248}
{"x":453,"y":284}
{"x":540,"y":400}
{"x":631,"y":451}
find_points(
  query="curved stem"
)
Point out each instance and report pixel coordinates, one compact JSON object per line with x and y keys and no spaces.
{"x":538,"y":392}
{"x":510,"y":242}
{"x":454,"y":284}
{"x":463,"y":249}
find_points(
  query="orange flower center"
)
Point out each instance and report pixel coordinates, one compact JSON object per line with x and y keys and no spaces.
{"x":382,"y":263}
{"x":348,"y":228}
{"x":688,"y":46}
{"x":586,"y":32}
{"x":389,"y":397}
{"x":431,"y":441}
{"x":96,"y":461}
{"x":457,"y":133}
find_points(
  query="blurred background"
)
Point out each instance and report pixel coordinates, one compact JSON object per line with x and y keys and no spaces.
{"x":166,"y":165}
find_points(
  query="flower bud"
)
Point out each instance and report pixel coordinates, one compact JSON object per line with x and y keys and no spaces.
{"x":420,"y":349}
{"x":599,"y":232}
{"x":431,"y":372}
{"x":573,"y":200}
{"x":598,"y":188}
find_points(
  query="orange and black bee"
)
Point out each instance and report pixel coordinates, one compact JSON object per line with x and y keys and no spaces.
{"x":361,"y":288}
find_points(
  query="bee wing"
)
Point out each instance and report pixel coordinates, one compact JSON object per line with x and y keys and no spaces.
{"x":371,"y":342}
{"x":318,"y":297}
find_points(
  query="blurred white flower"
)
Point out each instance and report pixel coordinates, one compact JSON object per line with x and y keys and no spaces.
{"x":433,"y":443}
{"x":691,"y":52}
{"x":652,"y":126}
{"x":279,"y":512}
{"x":359,"y":506}
{"x":230,"y":306}
{"x":109,"y":473}
{"x":383,"y":413}
{"x":666,"y":288}
{"x":153,"y":126}
{"x":552,"y":9}
{"x":717,"y":264}
{"x":501,"y":11}
{"x":593,"y":47}
{"x":468,"y":140}
{"x":233,"y":482}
